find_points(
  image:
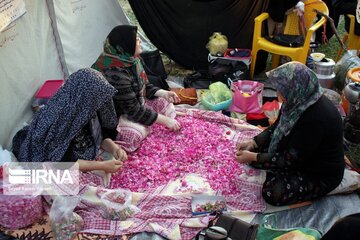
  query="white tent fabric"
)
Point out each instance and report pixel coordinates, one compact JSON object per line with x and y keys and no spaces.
{"x":83,"y":26}
{"x":52,"y":39}
{"x":27,"y":58}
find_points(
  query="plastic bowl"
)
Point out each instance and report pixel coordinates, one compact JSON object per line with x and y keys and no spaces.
{"x":205,"y":100}
{"x":317,"y":57}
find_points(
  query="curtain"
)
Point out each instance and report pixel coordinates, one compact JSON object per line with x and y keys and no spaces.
{"x":181,"y":28}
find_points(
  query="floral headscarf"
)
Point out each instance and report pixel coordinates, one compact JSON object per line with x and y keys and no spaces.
{"x":300,"y":87}
{"x":84,"y":94}
{"x":119,"y":50}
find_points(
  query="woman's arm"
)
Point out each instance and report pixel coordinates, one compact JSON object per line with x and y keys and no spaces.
{"x":109,"y":166}
{"x":111,"y":147}
{"x":262,"y":140}
{"x":126,"y":98}
{"x":170,"y":96}
{"x":151,"y":90}
{"x":302,"y":143}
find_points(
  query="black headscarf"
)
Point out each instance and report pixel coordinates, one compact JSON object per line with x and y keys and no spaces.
{"x":124,"y":36}
{"x":119,"y":50}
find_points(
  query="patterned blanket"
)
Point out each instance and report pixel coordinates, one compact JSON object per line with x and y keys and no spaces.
{"x":166,"y":170}
{"x":170,"y":166}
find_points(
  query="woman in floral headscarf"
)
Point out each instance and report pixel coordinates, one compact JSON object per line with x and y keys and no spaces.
{"x":122,"y":67}
{"x":78,"y":120}
{"x":303,"y":150}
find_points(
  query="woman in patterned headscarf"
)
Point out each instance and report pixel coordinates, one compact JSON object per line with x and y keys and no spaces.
{"x":303,"y":150}
{"x":122,"y":67}
{"x":72,"y":125}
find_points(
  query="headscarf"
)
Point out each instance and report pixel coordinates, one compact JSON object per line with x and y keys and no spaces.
{"x":49,"y":134}
{"x":119,"y":50}
{"x":300,"y":87}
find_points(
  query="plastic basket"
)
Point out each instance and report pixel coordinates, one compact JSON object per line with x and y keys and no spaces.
{"x":246,"y":61}
{"x":214,"y":107}
{"x":246,"y":52}
{"x":46,"y":91}
{"x":49,"y":88}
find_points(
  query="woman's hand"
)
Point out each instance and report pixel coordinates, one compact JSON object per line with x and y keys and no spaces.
{"x":249,"y":145}
{"x":111,"y":166}
{"x":168,"y":122}
{"x":244,"y":156}
{"x":168,"y":95}
{"x":299,"y":8}
{"x":110,"y":146}
{"x":119,"y":154}
{"x":172,"y":124}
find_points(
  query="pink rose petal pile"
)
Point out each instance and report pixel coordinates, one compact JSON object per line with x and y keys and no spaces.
{"x":19,"y":211}
{"x":199,"y":147}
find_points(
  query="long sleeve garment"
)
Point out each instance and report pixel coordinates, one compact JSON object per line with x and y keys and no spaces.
{"x":314,"y":145}
{"x":277,"y":8}
{"x":129,"y":99}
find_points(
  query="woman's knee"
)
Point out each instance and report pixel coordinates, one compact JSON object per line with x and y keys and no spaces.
{"x":274,"y":192}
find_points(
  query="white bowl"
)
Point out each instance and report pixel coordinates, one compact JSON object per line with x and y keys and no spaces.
{"x":317,"y":57}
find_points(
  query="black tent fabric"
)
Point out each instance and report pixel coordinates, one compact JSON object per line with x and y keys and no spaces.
{"x":181,"y":28}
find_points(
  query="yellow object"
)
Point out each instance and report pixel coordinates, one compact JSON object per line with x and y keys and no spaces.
{"x":317,"y":57}
{"x":292,"y":28}
{"x":218,"y":43}
{"x":354,"y":40}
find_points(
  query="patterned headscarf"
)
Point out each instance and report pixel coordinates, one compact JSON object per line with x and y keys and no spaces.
{"x":49,"y":134}
{"x":300,"y":87}
{"x":119,"y":50}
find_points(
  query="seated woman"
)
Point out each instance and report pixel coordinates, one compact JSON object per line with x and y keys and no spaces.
{"x":303,"y":151}
{"x":277,"y":11}
{"x":70,"y":127}
{"x":122,"y":67}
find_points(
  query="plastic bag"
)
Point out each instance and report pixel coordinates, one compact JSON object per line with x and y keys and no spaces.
{"x":347,"y":62}
{"x":117,"y":204}
{"x":217,"y":44}
{"x":19,"y":211}
{"x":6,"y":156}
{"x":65,"y":223}
{"x":223,"y":69}
{"x":247,"y":96}
{"x":271,"y":110}
{"x":218,"y":97}
{"x":268,"y":230}
{"x":220,"y":92}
